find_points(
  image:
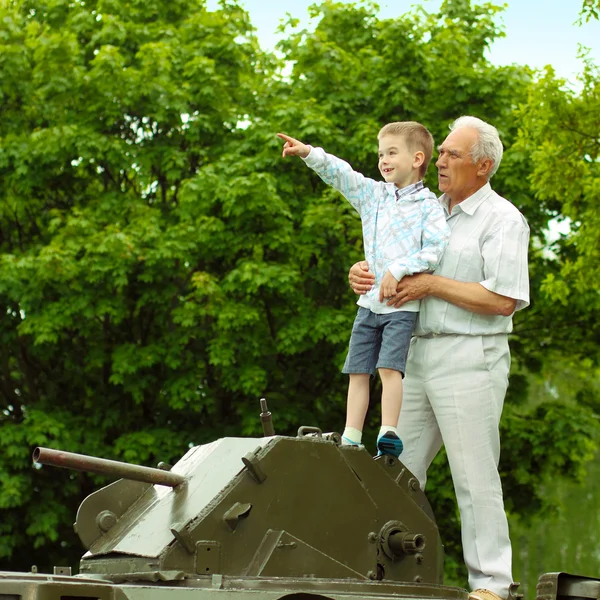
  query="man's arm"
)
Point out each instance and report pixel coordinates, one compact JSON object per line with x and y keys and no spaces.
{"x":470,"y":296}
{"x":504,"y":253}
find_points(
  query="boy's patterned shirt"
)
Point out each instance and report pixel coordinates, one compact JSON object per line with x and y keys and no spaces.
{"x":404,"y":230}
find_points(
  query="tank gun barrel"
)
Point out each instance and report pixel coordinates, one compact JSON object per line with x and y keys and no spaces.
{"x":103,"y":466}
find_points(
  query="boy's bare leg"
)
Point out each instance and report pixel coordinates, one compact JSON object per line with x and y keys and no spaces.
{"x":391,"y":396}
{"x":356,"y":410}
{"x":388,"y":440}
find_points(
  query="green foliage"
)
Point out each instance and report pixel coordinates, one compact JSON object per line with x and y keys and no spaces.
{"x":161,"y":268}
{"x":558,"y":134}
{"x":558,"y":131}
{"x":566,"y":541}
{"x":109,"y":108}
{"x":589,"y":10}
{"x":563,"y":535}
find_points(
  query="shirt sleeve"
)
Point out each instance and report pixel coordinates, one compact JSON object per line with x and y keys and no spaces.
{"x":435,"y":234}
{"x":355,"y":187}
{"x":505,"y":261}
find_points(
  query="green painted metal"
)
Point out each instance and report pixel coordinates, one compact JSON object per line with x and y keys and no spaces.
{"x":273,"y":507}
{"x":564,"y":586}
{"x":81,"y":462}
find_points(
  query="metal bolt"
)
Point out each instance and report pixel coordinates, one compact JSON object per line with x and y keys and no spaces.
{"x":372,"y":537}
{"x":419,"y":558}
{"x":372,"y":575}
{"x":105,"y":520}
{"x":413,"y":484}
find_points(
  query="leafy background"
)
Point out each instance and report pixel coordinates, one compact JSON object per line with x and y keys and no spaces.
{"x":161,"y":268}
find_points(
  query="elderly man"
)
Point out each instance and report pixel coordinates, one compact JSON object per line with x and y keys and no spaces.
{"x":459,"y":360}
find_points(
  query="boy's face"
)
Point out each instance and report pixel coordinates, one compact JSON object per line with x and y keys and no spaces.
{"x":396,"y":163}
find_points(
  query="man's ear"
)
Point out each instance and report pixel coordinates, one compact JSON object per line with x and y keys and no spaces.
{"x":485,"y":167}
{"x":418,"y":160}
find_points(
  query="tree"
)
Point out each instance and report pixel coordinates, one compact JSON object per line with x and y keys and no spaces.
{"x":108,"y":108}
{"x":558,"y":133}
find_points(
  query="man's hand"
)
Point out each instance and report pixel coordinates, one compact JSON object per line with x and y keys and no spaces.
{"x":388,"y":287}
{"x":360,"y":278}
{"x":411,"y":287}
{"x":293,"y":147}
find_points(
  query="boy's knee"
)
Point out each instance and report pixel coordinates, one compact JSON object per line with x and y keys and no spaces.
{"x":389,"y":373}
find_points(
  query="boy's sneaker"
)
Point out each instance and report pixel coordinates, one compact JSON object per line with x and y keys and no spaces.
{"x":389,"y":443}
{"x":349,"y":442}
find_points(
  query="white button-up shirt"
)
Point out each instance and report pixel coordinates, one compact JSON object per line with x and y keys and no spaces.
{"x":488,"y":245}
{"x":404,"y":231}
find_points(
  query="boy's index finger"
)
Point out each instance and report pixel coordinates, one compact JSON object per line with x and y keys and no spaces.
{"x":287,"y":138}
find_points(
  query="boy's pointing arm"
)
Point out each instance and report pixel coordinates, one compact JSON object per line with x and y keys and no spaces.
{"x":354,"y":186}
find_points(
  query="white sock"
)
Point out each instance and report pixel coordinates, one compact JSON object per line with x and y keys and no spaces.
{"x":385,"y":428}
{"x":351,"y":436}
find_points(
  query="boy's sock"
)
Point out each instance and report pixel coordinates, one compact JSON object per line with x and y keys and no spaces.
{"x":389,"y":442}
{"x":351,"y":437}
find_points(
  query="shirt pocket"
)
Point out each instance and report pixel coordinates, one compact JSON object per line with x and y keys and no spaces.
{"x":468,"y":264}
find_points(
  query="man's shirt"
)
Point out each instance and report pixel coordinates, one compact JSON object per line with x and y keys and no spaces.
{"x":404,"y":231}
{"x":488,"y":245}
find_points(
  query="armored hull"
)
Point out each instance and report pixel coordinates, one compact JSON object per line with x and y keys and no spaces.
{"x":274,"y":517}
{"x":26,"y":586}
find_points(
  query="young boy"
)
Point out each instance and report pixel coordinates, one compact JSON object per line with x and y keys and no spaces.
{"x":404,"y":232}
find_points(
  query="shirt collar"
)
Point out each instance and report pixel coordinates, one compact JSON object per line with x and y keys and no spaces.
{"x":468,"y":205}
{"x":409,"y":189}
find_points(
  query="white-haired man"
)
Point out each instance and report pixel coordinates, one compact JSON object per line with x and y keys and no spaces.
{"x":459,"y":360}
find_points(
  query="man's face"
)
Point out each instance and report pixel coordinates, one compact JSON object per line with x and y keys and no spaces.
{"x":457,"y":174}
{"x":396,"y":161}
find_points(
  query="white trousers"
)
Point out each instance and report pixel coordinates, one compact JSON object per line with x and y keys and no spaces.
{"x":453,"y":394}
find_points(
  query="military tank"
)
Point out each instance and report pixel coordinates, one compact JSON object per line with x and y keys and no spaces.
{"x":274,"y":517}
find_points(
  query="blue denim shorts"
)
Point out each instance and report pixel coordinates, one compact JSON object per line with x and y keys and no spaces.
{"x":379,"y":341}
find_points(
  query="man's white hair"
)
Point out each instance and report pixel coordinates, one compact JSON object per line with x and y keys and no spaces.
{"x":488,"y":144}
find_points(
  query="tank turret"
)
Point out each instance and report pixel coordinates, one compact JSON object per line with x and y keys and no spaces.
{"x":279,"y":516}
{"x":301,"y":518}
{"x":269,"y":507}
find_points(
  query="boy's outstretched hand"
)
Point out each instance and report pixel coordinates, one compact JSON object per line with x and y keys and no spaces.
{"x":293,"y":147}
